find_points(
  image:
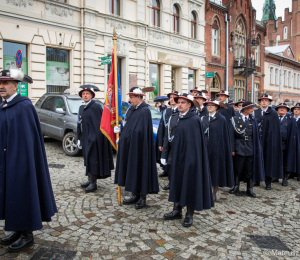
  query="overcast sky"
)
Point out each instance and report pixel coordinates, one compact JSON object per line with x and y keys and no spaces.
{"x":280,"y":6}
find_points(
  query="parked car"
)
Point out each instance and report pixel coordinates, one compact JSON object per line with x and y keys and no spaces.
{"x":58,"y":118}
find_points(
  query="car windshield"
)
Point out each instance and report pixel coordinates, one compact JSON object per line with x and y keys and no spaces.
{"x":74,"y":104}
{"x":155,"y":114}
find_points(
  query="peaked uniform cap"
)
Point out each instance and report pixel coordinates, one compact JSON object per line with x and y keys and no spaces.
{"x":187,"y":97}
{"x":247,"y":104}
{"x":91,"y":88}
{"x":282,"y":105}
{"x":136,"y":91}
{"x":12,"y":74}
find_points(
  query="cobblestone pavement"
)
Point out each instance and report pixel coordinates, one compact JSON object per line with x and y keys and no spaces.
{"x":94,"y":226}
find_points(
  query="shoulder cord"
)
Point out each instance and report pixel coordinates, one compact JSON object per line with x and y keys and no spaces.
{"x":235,"y":129}
{"x":164,"y":117}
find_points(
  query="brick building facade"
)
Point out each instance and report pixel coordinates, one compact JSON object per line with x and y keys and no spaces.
{"x":242,"y":29}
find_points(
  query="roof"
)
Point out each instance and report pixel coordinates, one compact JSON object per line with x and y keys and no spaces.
{"x":279,"y":50}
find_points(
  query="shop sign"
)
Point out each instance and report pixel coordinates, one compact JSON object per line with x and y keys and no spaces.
{"x":175,"y":60}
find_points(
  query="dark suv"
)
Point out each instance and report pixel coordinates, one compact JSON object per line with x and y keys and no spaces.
{"x":58,"y":118}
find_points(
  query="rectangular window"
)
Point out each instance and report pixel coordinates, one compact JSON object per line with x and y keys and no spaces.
{"x":191,"y":79}
{"x":57,"y":70}
{"x":271,"y":75}
{"x":298,"y":81}
{"x":255,"y":92}
{"x":15,"y":57}
{"x":295,"y":78}
{"x":289,"y":79}
{"x":276,"y":76}
{"x":284,"y":78}
{"x":214,"y":42}
{"x":154,"y":78}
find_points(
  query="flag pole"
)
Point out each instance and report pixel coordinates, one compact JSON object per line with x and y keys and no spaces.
{"x":116,"y":97}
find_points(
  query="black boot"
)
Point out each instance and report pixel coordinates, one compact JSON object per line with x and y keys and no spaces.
{"x":93,"y":185}
{"x":236,"y":187}
{"x":26,"y":240}
{"x":86,"y":184}
{"x":133,"y":199}
{"x":166,"y":187}
{"x":141,"y":202}
{"x":298,"y":177}
{"x":12,"y":237}
{"x":175,"y":214}
{"x":268,"y":183}
{"x":188,"y":221}
{"x":285,"y":179}
{"x":250,"y":191}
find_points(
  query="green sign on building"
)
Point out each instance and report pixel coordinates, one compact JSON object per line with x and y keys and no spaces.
{"x":105,"y":60}
{"x":210,"y":75}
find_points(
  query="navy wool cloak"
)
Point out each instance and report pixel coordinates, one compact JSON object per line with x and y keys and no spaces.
{"x":271,"y":144}
{"x":227,"y":113}
{"x":190,"y":184}
{"x":97,"y":150}
{"x":292,"y":145}
{"x":298,"y":161}
{"x":26,"y":195}
{"x":219,"y":150}
{"x":136,"y":166}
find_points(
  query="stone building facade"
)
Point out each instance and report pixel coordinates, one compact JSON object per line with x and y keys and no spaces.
{"x":239,"y":19}
{"x":161,"y":43}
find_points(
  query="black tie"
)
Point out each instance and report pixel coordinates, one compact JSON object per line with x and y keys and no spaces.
{"x":210,"y":118}
{"x":3,"y":103}
{"x":280,"y":118}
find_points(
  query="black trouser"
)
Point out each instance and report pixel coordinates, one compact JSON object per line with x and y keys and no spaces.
{"x":243,"y":166}
{"x":284,"y":155}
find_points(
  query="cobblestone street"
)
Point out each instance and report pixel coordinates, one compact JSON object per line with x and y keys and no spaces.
{"x":94,"y":226}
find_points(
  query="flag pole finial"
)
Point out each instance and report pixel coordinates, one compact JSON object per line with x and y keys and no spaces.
{"x":115,"y":34}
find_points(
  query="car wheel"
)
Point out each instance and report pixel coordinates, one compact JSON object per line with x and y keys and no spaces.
{"x":70,"y":144}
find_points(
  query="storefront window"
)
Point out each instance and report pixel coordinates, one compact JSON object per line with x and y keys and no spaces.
{"x":192,"y":79}
{"x":10,"y":50}
{"x":57,"y":70}
{"x":154,"y":77}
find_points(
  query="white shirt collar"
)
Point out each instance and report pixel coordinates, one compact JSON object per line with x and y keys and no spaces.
{"x":211,"y":115}
{"x":282,"y":117}
{"x":244,"y":117}
{"x":88,"y":102}
{"x":11,"y":98}
{"x":297,"y":118}
{"x":184,"y":113}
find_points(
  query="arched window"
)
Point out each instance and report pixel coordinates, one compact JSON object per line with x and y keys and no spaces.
{"x":257,"y":52}
{"x":277,"y":39}
{"x":215,"y":38}
{"x":240,"y":39}
{"x":285,"y":33}
{"x":114,"y":7}
{"x":175,"y":19}
{"x":193,"y":25}
{"x":155,"y":13}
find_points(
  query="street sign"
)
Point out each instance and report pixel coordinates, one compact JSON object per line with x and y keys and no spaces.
{"x":105,"y":60}
{"x":210,"y":75}
{"x":19,"y":57}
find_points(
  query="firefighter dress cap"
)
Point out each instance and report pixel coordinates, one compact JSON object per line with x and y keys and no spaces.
{"x":283,"y":105}
{"x":239,"y":101}
{"x":200,"y":95}
{"x":231,"y":102}
{"x":173,"y":93}
{"x":186,"y":96}
{"x":195,"y":89}
{"x":213,"y":101}
{"x":247,"y":104}
{"x":296,"y":106}
{"x":223,"y":92}
{"x":15,"y":75}
{"x":136,"y":91}
{"x":91,"y":88}
{"x":265,"y":96}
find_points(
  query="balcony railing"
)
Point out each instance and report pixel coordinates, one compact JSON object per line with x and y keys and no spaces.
{"x":241,"y":62}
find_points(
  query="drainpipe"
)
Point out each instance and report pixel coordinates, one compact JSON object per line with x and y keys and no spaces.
{"x":252,"y":88}
{"x":280,"y":82}
{"x":226,"y":81}
{"x":81,"y":45}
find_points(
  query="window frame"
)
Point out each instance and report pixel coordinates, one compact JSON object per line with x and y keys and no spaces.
{"x":295,"y":81}
{"x":113,"y":7}
{"x":194,"y":78}
{"x":193,"y":25}
{"x":276,"y":76}
{"x":155,"y":9}
{"x":284,"y":78}
{"x":271,"y":75}
{"x":158,"y":78}
{"x":175,"y":17}
{"x":240,"y":40}
{"x":289,"y":79}
{"x":239,"y":88}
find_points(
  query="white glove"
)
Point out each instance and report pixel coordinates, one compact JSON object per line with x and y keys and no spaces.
{"x":117,"y":130}
{"x":163,"y":161}
{"x":78,"y":144}
{"x":117,"y":141}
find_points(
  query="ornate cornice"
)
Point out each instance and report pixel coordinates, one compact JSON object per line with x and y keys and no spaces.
{"x":20,"y":3}
{"x":58,"y":10}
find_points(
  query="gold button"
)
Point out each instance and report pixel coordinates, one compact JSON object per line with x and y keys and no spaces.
{"x":4,"y":150}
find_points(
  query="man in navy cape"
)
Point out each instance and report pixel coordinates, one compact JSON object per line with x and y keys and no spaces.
{"x":162,"y":129}
{"x":190,"y":184}
{"x":290,"y":142}
{"x":163,"y":126}
{"x":26,"y":196}
{"x":97,"y":150}
{"x":296,"y":113}
{"x":247,"y":150}
{"x":136,"y":162}
{"x":216,"y":131}
{"x":269,"y":129}
{"x":226,"y":109}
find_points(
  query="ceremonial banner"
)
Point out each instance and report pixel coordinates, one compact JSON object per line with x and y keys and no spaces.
{"x":109,"y":111}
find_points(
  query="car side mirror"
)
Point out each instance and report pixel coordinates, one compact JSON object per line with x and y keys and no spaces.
{"x":60,"y":111}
